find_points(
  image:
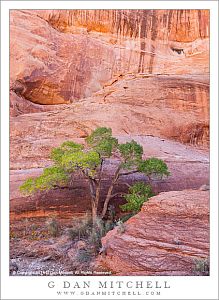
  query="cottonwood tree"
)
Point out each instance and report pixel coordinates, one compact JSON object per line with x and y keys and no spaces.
{"x":90,"y":161}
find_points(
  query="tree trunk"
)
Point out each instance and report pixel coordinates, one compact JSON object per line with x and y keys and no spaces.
{"x":94,"y":211}
{"x":97,"y":188}
{"x":109,"y":193}
{"x":93,"y":199}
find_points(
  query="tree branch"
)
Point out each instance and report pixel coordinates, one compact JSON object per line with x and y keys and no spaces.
{"x":128,"y":173}
{"x":56,"y":187}
{"x":117,"y":194}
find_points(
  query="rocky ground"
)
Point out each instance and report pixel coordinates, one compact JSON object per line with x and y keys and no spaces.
{"x":170,"y":236}
{"x":34,"y":250}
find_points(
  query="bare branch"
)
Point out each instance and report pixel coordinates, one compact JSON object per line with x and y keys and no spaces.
{"x":56,"y":187}
{"x":129,"y":173}
{"x":117,"y":194}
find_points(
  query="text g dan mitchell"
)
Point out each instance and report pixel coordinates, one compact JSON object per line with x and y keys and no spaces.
{"x":119,"y":284}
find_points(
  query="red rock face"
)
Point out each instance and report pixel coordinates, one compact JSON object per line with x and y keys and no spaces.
{"x":168,"y":237}
{"x":19,"y":106}
{"x":145,"y":74}
{"x":62,"y":56}
{"x":189,"y":168}
{"x":176,"y":25}
{"x":156,"y":61}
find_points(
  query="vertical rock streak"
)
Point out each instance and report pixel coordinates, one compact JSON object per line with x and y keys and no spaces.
{"x":186,"y":25}
{"x":62,"y":56}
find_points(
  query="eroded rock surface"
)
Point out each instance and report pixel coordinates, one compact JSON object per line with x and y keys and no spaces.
{"x":62,"y":56}
{"x":145,"y":80}
{"x":156,"y":24}
{"x":156,"y":74}
{"x":168,"y":237}
{"x":189,"y":168}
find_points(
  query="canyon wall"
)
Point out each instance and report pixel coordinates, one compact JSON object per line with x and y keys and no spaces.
{"x":145,"y":74}
{"x":63,"y":56}
{"x":189,"y":169}
{"x":155,"y":62}
{"x":176,"y":25}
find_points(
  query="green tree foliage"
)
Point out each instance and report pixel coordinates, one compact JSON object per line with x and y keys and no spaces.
{"x":137,"y":195}
{"x":71,"y":157}
{"x":131,"y":154}
{"x":50,"y":178}
{"x":153,"y":167}
{"x":102,"y":142}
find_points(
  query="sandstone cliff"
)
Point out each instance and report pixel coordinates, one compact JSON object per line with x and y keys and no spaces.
{"x":177,"y":25}
{"x":138,"y":85}
{"x":145,"y":74}
{"x":189,"y":168}
{"x":150,"y":64}
{"x":168,"y":237}
{"x":62,"y":56}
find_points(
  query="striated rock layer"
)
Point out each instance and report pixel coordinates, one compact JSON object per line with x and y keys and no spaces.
{"x":189,"y":24}
{"x":62,"y":56}
{"x":142,"y":73}
{"x":189,"y":168}
{"x":168,"y":237}
{"x":148,"y":66}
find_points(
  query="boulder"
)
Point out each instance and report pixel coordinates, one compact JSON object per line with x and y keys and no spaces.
{"x":169,"y":236}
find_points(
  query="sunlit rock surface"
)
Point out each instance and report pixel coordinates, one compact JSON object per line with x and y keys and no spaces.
{"x":63,"y":56}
